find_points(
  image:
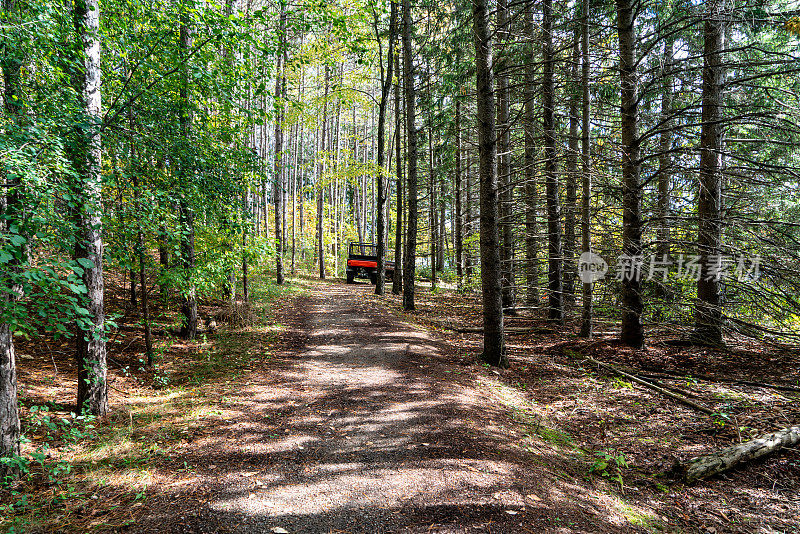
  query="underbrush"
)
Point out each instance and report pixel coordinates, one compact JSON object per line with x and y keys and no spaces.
{"x":82,"y":473}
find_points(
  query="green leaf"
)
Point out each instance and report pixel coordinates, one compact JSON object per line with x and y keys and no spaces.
{"x":86,"y":263}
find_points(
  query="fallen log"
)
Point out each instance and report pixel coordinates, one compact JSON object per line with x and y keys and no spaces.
{"x":640,"y":381}
{"x":713,"y":464}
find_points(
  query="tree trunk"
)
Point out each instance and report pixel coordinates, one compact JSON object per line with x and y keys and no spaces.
{"x":494,"y":350}
{"x":163,"y":260}
{"x":397,"y":282}
{"x":186,"y":213}
{"x":410,"y":256}
{"x":386,"y":86}
{"x":531,"y":194}
{"x":320,"y":189}
{"x":571,"y":175}
{"x":632,"y":330}
{"x":504,"y":160}
{"x":10,"y":211}
{"x":664,"y":156}
{"x":708,"y":312}
{"x":554,"y":261}
{"x":468,"y":224}
{"x":586,"y":170}
{"x":432,"y":223}
{"x":132,"y":293}
{"x":277,"y":191}
{"x":458,"y":229}
{"x":91,"y":341}
{"x":141,"y":257}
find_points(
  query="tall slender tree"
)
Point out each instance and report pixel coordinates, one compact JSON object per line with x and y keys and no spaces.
{"x":531,"y":199}
{"x":410,"y":256}
{"x":278,"y":190}
{"x":320,"y":172}
{"x":10,"y":219}
{"x":458,"y":216}
{"x":571,"y":174}
{"x":554,"y":252}
{"x":505,"y":179}
{"x":632,"y":330}
{"x":494,"y":349}
{"x":586,"y":168}
{"x":86,"y":151}
{"x":386,"y":87}
{"x":397,"y":282}
{"x":708,"y":312}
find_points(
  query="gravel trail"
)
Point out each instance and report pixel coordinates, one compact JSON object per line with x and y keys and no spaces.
{"x":358,"y":425}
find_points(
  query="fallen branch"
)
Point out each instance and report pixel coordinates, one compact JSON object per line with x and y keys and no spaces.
{"x":509,"y":330}
{"x":713,"y":464}
{"x":640,"y":381}
{"x":710,"y":378}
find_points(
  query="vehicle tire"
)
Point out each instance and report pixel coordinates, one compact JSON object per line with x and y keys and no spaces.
{"x":373,"y":277}
{"x":350,"y":276}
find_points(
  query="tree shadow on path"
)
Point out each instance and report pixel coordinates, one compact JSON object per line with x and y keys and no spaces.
{"x":357,"y":425}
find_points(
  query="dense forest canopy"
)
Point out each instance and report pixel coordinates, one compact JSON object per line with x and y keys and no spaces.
{"x":631,"y":162}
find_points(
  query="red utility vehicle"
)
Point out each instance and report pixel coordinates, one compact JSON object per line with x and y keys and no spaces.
{"x":362,"y":262}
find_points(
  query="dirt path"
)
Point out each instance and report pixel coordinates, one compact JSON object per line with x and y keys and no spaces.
{"x":360,"y":423}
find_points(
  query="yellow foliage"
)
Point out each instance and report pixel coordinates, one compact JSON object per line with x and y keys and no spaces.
{"x":793,"y":25}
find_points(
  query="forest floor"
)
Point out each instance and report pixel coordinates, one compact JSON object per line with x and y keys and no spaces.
{"x":334,"y":411}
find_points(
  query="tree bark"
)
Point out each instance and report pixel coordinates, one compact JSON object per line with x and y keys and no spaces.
{"x":494,"y":350}
{"x":397,"y":282}
{"x":586,"y":169}
{"x":632,"y":307}
{"x":713,"y":464}
{"x":277,"y":191}
{"x":386,"y":86}
{"x":10,"y":211}
{"x":320,"y":189}
{"x":554,"y":252}
{"x":90,"y":339}
{"x":531,"y":194}
{"x":185,"y":211}
{"x":708,"y":312}
{"x":410,"y":256}
{"x":458,"y":229}
{"x":571,"y":175}
{"x":664,"y":156}
{"x":505,"y":179}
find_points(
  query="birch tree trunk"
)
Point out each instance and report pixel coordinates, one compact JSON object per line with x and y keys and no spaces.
{"x":90,"y":340}
{"x":10,"y":210}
